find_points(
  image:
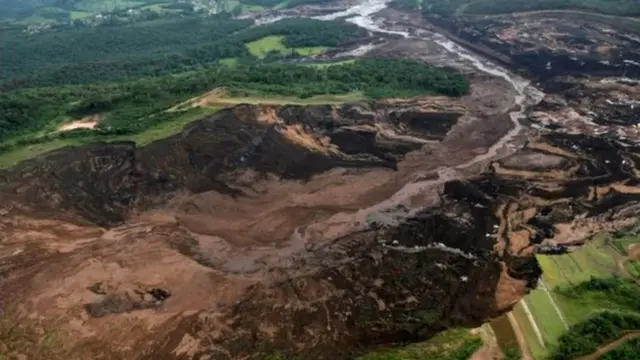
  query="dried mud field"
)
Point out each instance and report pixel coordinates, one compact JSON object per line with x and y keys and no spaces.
{"x":326,"y":231}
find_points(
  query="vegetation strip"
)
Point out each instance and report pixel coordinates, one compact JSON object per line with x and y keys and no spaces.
{"x":88,"y":55}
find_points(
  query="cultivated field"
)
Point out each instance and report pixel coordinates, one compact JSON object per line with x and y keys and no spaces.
{"x":552,"y":306}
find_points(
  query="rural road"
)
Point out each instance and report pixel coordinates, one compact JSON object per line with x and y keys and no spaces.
{"x":611,"y":346}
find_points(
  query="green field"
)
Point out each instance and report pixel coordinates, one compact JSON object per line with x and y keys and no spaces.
{"x":46,"y":15}
{"x":457,"y":344}
{"x":161,"y":131}
{"x":261,"y":47}
{"x":231,"y":62}
{"x":17,"y":155}
{"x":537,"y":349}
{"x":550,"y":325}
{"x":563,"y":274}
{"x":594,"y":259}
{"x":82,"y":9}
{"x":622,"y":244}
{"x":290,"y":100}
{"x":633,"y":267}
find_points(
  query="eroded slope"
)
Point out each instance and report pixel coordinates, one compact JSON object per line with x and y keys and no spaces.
{"x":318,"y":231}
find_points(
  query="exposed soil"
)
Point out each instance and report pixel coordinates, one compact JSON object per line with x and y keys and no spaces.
{"x":522,"y":341}
{"x":490,"y":349}
{"x":87,"y":122}
{"x":321,"y":231}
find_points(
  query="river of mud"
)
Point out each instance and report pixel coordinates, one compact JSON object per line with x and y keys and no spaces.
{"x":397,"y":207}
{"x":416,"y":185}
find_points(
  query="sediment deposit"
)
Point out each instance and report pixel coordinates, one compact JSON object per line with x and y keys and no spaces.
{"x":318,"y":231}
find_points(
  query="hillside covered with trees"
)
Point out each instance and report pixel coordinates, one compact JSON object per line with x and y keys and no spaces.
{"x":101,"y":54}
{"x":130,"y":106}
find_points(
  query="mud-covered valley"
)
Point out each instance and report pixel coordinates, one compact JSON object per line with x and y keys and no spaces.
{"x":326,"y":231}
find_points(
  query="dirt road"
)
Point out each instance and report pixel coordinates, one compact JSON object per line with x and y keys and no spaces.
{"x":524,"y":349}
{"x":611,"y":346}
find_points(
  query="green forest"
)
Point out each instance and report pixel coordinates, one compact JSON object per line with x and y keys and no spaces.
{"x":601,"y":327}
{"x":628,"y":351}
{"x":87,"y":55}
{"x":133,"y":106}
{"x":130,"y":74}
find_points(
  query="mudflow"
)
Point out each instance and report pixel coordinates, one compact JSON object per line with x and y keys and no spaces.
{"x":318,"y":231}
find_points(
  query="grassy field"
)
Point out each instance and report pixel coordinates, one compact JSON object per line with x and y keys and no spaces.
{"x":261,"y":47}
{"x":289,"y":100}
{"x":17,"y":155}
{"x":537,"y":349}
{"x":622,"y":244}
{"x":161,"y":131}
{"x":458,"y":344}
{"x":550,"y":324}
{"x":594,"y":259}
{"x":76,"y":15}
{"x":46,"y":15}
{"x":229,"y":62}
{"x":598,"y":259}
{"x":82,"y":9}
{"x":633,"y":267}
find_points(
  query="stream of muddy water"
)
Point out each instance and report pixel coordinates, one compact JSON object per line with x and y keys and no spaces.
{"x":399,"y":205}
{"x":362,"y":15}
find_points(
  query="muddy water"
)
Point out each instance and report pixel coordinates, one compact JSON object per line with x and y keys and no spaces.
{"x":419,"y":178}
{"x":362,"y":15}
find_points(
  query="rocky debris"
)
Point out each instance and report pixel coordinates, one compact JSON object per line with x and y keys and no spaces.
{"x":102,"y":183}
{"x":114,"y":301}
{"x":597,"y":106}
{"x":162,"y":287}
{"x":586,"y":67}
{"x":546,"y":45}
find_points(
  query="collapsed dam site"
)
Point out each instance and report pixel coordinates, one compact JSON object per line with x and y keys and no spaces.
{"x":330,"y":230}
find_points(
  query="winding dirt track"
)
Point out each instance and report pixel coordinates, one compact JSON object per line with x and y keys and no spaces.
{"x":611,"y":346}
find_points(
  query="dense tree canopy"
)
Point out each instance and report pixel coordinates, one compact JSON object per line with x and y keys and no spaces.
{"x":99,"y":54}
{"x":306,"y":32}
{"x":32,"y":109}
{"x":585,"y":337}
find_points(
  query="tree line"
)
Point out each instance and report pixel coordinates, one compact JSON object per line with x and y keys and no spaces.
{"x":585,"y":337}
{"x":104,"y":54}
{"x":132,"y":106}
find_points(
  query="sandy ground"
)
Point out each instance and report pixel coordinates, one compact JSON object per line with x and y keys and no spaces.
{"x":87,"y":122}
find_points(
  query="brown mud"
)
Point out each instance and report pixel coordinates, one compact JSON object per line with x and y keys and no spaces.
{"x":319,"y":231}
